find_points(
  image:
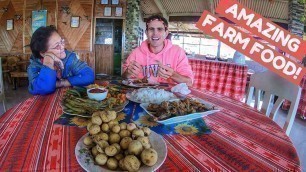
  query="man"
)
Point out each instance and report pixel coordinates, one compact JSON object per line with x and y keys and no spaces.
{"x":157,"y":59}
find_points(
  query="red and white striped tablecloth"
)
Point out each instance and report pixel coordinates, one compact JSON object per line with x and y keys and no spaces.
{"x":242,"y":140}
{"x":220,"y":77}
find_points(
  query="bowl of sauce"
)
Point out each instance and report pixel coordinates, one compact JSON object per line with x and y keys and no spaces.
{"x":97,"y":93}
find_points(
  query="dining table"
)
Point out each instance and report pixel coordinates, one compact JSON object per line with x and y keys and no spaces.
{"x":241,"y":139}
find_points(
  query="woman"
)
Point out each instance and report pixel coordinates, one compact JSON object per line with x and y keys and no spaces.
{"x":51,"y":66}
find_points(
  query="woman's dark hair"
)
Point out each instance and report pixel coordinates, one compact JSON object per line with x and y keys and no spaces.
{"x":40,"y":39}
{"x":159,"y":18}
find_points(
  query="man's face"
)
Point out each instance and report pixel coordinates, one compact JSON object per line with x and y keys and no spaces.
{"x":156,"y":33}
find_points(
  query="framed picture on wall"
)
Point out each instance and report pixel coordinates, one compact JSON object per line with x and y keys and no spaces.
{"x":115,"y":2}
{"x":75,"y":21}
{"x":107,"y":11}
{"x":39,"y":18}
{"x":118,"y":12}
{"x":104,"y":1}
{"x":9,"y":24}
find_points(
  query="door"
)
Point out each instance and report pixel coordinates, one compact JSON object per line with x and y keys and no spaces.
{"x":108,"y":46}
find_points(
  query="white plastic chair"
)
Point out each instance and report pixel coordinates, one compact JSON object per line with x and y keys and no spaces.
{"x":274,"y":85}
{"x":2,"y":95}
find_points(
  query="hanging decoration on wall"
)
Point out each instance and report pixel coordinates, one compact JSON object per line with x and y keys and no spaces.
{"x":118,"y":12}
{"x":39,"y":18}
{"x":75,"y":21}
{"x":107,"y":11}
{"x":115,"y":2}
{"x":9,"y":24}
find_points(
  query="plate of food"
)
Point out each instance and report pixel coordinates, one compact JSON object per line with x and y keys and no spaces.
{"x":139,"y":83}
{"x":76,"y":102}
{"x":175,"y":111}
{"x":87,"y":161}
{"x":150,"y":95}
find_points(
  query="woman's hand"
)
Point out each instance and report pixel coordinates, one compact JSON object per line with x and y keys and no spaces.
{"x":50,"y":59}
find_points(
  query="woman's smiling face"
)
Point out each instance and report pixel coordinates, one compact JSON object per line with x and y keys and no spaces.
{"x":56,"y":45}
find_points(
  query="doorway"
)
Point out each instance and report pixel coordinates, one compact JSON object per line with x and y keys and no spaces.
{"x":108,"y":46}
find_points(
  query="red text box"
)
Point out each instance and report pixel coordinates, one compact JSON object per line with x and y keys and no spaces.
{"x":247,"y":45}
{"x":262,"y":27}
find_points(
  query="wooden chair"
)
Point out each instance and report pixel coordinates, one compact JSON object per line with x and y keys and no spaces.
{"x":2,"y":95}
{"x":274,"y":85}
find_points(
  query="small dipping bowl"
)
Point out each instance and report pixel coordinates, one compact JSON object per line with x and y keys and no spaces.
{"x":97,"y":93}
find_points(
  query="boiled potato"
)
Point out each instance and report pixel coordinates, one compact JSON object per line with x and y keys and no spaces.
{"x":135,"y":147}
{"x":105,"y":127}
{"x":121,"y":164}
{"x":149,"y":157}
{"x":112,"y":123}
{"x":143,"y":140}
{"x":88,"y":141}
{"x":111,"y":115}
{"x":105,"y":118}
{"x":100,"y":136}
{"x":124,"y":133}
{"x":94,"y":129}
{"x":99,"y":149}
{"x":124,"y":143}
{"x":137,"y":133}
{"x":117,"y":146}
{"x":146,"y":145}
{"x":94,"y":151}
{"x":131,"y":163}
{"x":123,"y":125}
{"x":147,"y":131}
{"x":89,"y":124}
{"x":101,"y":159}
{"x":97,"y":113}
{"x":103,"y":144}
{"x":131,"y":126}
{"x":119,"y":156}
{"x":114,"y":138}
{"x":111,"y":150}
{"x":96,"y":120}
{"x":112,"y":163}
{"x":116,"y":128}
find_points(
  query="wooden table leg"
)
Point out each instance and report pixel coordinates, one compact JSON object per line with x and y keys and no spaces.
{"x":14,"y":83}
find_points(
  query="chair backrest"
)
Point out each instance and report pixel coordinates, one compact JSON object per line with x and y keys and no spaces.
{"x":2,"y":95}
{"x":273,"y":85}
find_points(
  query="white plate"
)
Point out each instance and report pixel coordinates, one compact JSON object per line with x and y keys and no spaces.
{"x":131,"y":98}
{"x":184,"y":117}
{"x":86,"y":161}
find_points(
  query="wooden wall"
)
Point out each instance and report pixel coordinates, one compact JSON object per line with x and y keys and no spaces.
{"x":80,"y":40}
{"x":16,"y":41}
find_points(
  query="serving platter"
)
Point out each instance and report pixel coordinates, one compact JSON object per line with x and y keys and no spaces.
{"x":85,"y":159}
{"x":182,"y":118}
{"x":137,"y":84}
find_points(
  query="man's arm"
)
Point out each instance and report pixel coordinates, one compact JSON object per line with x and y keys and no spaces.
{"x":181,"y":79}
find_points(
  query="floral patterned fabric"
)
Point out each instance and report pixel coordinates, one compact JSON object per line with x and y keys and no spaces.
{"x":134,"y":113}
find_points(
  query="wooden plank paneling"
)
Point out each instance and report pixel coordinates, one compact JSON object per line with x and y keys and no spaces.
{"x":99,"y":9}
{"x":7,"y":38}
{"x":87,"y":56}
{"x":77,"y":39}
{"x":104,"y":61}
{"x":75,"y":36}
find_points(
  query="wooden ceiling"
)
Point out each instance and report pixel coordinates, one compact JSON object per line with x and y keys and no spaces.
{"x":183,"y":14}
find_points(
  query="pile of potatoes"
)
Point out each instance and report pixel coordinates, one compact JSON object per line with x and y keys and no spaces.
{"x":119,"y":145}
